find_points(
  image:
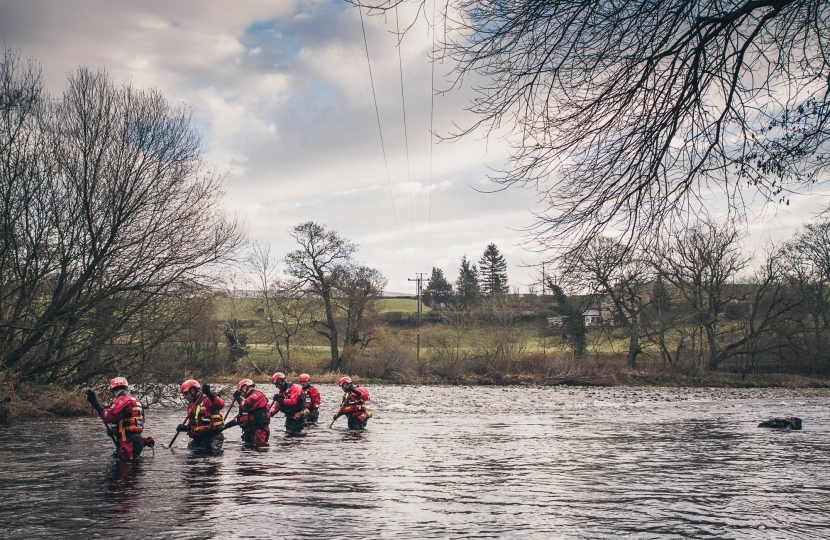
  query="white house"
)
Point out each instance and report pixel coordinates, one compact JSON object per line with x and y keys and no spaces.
{"x":597,"y":317}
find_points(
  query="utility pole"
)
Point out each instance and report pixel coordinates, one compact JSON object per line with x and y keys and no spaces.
{"x":419,"y":279}
{"x":545,"y":325}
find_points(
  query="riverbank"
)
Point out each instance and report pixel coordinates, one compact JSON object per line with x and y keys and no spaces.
{"x":39,"y":401}
{"x":42,"y":401}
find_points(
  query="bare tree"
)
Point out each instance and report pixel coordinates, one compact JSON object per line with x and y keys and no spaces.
{"x":807,"y":261}
{"x":702,"y":264}
{"x":281,"y":303}
{"x":625,"y":113}
{"x":315,"y":266}
{"x":358,"y":290}
{"x":664,"y":326}
{"x":109,"y":210}
{"x":448,"y":349}
{"x":505,"y":340}
{"x":232,"y":310}
{"x":769,"y":302}
{"x":607,"y":267}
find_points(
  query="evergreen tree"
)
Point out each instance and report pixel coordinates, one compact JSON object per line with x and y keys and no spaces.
{"x":493,"y":271}
{"x":467,"y":288}
{"x":439,"y":290}
{"x":573,"y":323}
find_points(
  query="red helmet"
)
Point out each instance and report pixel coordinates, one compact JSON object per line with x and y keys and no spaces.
{"x":304,"y":378}
{"x":188,"y":384}
{"x":277,"y":376}
{"x":344,"y":380}
{"x":244,"y":382}
{"x":118,"y":382}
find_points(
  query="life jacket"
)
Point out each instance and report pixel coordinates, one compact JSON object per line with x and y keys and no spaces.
{"x":131,"y":419}
{"x":355,"y":401}
{"x":312,"y":397}
{"x":254,"y":412}
{"x":204,"y":416}
{"x":294,"y":401}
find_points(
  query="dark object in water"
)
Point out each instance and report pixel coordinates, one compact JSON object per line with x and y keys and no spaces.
{"x":788,"y":422}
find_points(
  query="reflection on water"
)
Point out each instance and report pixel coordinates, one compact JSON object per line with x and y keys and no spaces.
{"x":446,"y":462}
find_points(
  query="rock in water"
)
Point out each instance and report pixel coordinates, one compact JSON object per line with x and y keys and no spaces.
{"x":788,"y":422}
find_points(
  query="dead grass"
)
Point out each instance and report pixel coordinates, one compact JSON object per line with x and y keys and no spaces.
{"x":41,"y":401}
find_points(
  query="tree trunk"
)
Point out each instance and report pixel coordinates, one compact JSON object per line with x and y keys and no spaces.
{"x":335,"y":355}
{"x":633,"y":342}
{"x":714,"y":359}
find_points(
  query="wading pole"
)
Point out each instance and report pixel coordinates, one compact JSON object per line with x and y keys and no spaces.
{"x":177,"y":432}
{"x":94,"y":401}
{"x":340,"y":411}
{"x":109,"y":432}
{"x":233,"y":402}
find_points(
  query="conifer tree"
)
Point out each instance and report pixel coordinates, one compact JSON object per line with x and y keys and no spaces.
{"x":467,"y":288}
{"x":439,"y":290}
{"x":493,"y":272}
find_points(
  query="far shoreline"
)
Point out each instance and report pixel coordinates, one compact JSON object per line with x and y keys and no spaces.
{"x":53,"y":401}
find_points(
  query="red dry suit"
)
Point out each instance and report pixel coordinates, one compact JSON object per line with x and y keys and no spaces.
{"x":354,"y":404}
{"x":293,"y":403}
{"x":126,"y":421}
{"x":312,"y":398}
{"x":253,"y":418}
{"x":204,"y":416}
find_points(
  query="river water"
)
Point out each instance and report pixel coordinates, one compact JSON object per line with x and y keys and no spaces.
{"x":446,"y":462}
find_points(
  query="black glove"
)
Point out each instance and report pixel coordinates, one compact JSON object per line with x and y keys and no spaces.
{"x":90,"y":397}
{"x":279,"y":397}
{"x":208,"y":392}
{"x":181,"y":428}
{"x":237,"y":395}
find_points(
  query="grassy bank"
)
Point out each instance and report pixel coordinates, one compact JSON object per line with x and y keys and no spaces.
{"x":40,"y":401}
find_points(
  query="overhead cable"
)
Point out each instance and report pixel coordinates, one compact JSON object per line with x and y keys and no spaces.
{"x":380,"y":131}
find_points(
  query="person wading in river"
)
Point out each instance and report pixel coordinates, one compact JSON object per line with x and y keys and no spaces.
{"x":125,"y":418}
{"x":354,"y":404}
{"x":204,"y":416}
{"x":312,"y":398}
{"x":290,"y":400}
{"x":253,"y":415}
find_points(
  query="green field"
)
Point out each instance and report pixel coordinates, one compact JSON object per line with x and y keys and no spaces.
{"x":406,"y":305}
{"x":246,"y":307}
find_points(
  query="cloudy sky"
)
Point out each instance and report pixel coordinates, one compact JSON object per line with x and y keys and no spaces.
{"x":282,"y":94}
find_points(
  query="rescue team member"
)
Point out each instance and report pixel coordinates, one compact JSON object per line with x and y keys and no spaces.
{"x":291,"y":401}
{"x":354,"y":404}
{"x":312,"y":398}
{"x":204,"y":415}
{"x":125,"y":418}
{"x":253,"y":415}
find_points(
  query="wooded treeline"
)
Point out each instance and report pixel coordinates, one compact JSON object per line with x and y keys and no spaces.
{"x":701,"y":301}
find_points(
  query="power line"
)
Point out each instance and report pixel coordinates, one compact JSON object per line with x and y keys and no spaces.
{"x":406,"y":135}
{"x":380,"y":131}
